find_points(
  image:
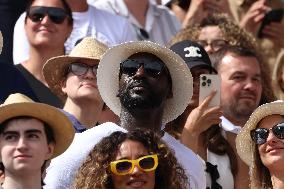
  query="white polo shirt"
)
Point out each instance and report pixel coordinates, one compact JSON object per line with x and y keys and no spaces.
{"x":161,"y":24}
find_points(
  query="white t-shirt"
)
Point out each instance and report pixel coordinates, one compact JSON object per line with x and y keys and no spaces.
{"x":62,"y":169}
{"x":105,"y":27}
{"x":161,"y":24}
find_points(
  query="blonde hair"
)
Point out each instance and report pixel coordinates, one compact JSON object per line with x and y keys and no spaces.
{"x":276,"y":76}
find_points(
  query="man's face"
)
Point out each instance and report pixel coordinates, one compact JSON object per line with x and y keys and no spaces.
{"x":143,"y":87}
{"x":24,"y":146}
{"x":241,"y":86}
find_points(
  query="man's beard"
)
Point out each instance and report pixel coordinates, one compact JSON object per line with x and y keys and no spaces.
{"x":136,"y":101}
{"x":241,"y":111}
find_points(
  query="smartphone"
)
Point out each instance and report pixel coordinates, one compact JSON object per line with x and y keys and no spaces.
{"x":274,"y":15}
{"x":208,"y":83}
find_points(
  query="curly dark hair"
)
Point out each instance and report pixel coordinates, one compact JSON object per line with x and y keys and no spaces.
{"x":231,"y":31}
{"x":95,"y":171}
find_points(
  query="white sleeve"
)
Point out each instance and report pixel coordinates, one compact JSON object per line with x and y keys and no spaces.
{"x":20,"y":41}
{"x":62,"y":170}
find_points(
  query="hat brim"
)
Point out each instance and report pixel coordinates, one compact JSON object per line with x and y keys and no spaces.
{"x":108,"y":76}
{"x":59,"y":123}
{"x":194,"y":64}
{"x":244,"y":144}
{"x":54,"y":71}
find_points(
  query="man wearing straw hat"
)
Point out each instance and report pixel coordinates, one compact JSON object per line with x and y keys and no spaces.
{"x":30,"y":134}
{"x":147,"y":85}
{"x":73,"y":78}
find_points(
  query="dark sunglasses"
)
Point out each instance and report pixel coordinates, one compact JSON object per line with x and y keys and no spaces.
{"x":260,"y":135}
{"x":80,"y":69}
{"x":130,"y":67}
{"x":56,"y":15}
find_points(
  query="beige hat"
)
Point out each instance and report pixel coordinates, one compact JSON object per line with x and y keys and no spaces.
{"x":1,"y":42}
{"x":244,"y":144}
{"x":108,"y":76}
{"x":20,"y":105}
{"x":55,"y":69}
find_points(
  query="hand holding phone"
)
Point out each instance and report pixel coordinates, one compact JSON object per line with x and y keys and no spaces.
{"x":274,"y":15}
{"x":209,"y":83}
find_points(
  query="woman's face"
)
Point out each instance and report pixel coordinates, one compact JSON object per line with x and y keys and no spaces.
{"x":46,"y":33}
{"x":272,"y":151}
{"x":138,"y":179}
{"x":211,"y":38}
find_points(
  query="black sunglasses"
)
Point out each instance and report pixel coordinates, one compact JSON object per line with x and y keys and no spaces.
{"x":55,"y":14}
{"x":260,"y":135}
{"x":130,"y":67}
{"x":80,"y":69}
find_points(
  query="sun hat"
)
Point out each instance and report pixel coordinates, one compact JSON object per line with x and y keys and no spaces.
{"x":244,"y":144}
{"x":1,"y":42}
{"x":20,"y":105}
{"x":193,"y":54}
{"x":108,"y":76}
{"x":55,"y":69}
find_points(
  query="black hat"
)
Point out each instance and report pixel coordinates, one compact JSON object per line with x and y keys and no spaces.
{"x":193,"y":54}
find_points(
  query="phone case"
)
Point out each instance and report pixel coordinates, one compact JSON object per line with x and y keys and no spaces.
{"x":274,"y":15}
{"x":208,"y":83}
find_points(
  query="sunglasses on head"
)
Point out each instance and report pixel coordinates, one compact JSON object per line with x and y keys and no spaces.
{"x":126,"y":166}
{"x":260,"y":135}
{"x":80,"y":69}
{"x":55,"y":14}
{"x":130,"y":67}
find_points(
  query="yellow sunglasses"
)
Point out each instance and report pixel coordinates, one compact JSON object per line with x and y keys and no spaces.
{"x":126,"y":166}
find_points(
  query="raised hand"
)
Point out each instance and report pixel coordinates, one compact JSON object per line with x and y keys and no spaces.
{"x":199,"y":120}
{"x":254,"y":16}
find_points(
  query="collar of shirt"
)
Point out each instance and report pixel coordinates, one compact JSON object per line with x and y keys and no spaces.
{"x":75,"y":122}
{"x":229,"y":126}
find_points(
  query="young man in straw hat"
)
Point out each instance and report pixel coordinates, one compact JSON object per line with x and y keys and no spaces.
{"x":30,"y":134}
{"x":147,"y":85}
{"x":73,"y":77}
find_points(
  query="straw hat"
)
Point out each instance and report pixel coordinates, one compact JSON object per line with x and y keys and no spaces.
{"x":244,"y":144}
{"x":108,"y":76}
{"x":55,"y":69}
{"x":1,"y":42}
{"x":20,"y":105}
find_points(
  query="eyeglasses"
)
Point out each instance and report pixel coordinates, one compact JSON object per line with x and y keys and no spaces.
{"x":126,"y":166}
{"x":80,"y":69}
{"x":130,"y":67}
{"x":260,"y":135}
{"x":56,"y":15}
{"x":215,"y":44}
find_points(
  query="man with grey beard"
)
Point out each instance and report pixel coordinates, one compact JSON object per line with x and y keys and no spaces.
{"x":242,"y":91}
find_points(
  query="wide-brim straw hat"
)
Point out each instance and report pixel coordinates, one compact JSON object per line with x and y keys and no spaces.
{"x":55,"y":69}
{"x":108,"y":76}
{"x":1,"y":42}
{"x":244,"y":144}
{"x":20,"y":105}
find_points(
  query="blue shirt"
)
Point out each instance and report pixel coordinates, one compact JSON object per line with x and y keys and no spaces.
{"x":79,"y":128}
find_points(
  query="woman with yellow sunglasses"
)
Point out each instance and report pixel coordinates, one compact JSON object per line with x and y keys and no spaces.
{"x":134,"y":160}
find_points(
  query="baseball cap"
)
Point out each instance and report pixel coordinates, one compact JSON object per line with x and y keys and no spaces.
{"x":193,"y":54}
